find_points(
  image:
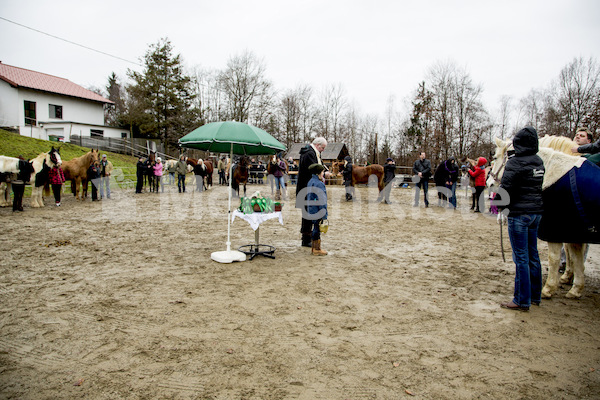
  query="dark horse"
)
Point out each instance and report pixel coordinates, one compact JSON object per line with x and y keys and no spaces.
{"x":240,"y":175}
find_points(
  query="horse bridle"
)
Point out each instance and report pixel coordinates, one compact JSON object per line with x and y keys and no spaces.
{"x":496,"y":176}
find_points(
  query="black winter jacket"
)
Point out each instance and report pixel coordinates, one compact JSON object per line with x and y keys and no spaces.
{"x":308,"y":157}
{"x":524,"y":174}
{"x":423,"y":166}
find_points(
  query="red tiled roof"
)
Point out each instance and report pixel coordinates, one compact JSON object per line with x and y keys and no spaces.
{"x":19,"y":77}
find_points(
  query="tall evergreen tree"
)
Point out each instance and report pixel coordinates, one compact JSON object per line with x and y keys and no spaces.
{"x":165,"y":94}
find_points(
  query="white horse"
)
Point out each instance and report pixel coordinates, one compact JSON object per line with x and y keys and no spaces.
{"x":9,"y":167}
{"x":42,"y":165}
{"x":557,"y":165}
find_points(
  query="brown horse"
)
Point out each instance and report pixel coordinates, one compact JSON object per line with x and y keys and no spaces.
{"x":75,"y":170}
{"x":240,"y":175}
{"x":209,"y":169}
{"x":361,"y":174}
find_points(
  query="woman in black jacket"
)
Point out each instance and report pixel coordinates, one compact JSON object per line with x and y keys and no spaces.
{"x":522,"y":181}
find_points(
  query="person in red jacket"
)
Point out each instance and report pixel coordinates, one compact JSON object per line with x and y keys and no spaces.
{"x":478,"y":173}
{"x":56,"y":178}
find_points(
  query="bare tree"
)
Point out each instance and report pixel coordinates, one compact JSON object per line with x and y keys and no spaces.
{"x":243,"y":81}
{"x":577,"y":93}
{"x":504,"y":117}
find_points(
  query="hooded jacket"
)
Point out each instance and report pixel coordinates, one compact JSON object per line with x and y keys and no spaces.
{"x":524,"y":175}
{"x":479,"y":172}
{"x":308,"y":157}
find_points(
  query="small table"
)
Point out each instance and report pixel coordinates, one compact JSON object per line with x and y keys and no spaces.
{"x":255,"y":219}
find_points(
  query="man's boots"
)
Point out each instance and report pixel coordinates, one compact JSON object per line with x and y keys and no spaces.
{"x":316,"y":248}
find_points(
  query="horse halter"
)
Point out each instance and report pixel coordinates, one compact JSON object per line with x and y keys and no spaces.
{"x":498,"y":175}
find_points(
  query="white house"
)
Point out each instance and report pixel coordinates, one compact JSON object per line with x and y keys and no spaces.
{"x":42,"y":106}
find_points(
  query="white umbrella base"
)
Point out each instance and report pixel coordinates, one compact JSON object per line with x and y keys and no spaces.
{"x":228,"y":256}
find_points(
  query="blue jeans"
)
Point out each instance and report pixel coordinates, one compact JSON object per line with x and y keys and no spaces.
{"x":453,"y":196}
{"x":280,"y":182}
{"x":105,"y":182}
{"x":522,"y":230}
{"x":425,"y":184}
{"x":181,"y":182}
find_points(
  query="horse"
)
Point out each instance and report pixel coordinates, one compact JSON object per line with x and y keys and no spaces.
{"x":75,"y":170}
{"x":559,"y":166}
{"x":208,"y":167}
{"x":42,"y":165}
{"x":240,"y":175}
{"x":9,"y":168}
{"x":361,"y":174}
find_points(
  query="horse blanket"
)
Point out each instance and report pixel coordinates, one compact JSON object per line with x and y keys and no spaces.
{"x":572,"y":207}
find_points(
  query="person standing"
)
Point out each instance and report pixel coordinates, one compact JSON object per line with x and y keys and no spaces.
{"x":158,"y":171}
{"x":171,"y":171}
{"x":445,"y":177}
{"x":347,"y":175}
{"x":422,"y":171}
{"x":181,"y":169}
{"x":139,"y":172}
{"x":221,"y":169}
{"x":93,"y":174}
{"x":200,"y":172}
{"x":279,"y":169}
{"x":106,"y":168}
{"x":389,"y":174}
{"x":18,"y":185}
{"x":478,"y":173}
{"x":309,"y":155}
{"x":522,"y":181}
{"x":56,"y":178}
{"x":292,"y":167}
{"x":316,"y":200}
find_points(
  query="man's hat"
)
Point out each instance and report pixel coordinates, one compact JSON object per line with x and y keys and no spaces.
{"x":389,"y":159}
{"x":103,"y":155}
{"x":316,"y":168}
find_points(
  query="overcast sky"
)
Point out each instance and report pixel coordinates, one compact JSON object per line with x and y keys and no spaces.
{"x":374,"y":49}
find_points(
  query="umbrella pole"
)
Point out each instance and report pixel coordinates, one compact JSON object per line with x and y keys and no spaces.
{"x":229,"y":255}
{"x":229,"y":204}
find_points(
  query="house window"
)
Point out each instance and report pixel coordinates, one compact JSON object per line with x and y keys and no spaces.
{"x":96,"y":133}
{"x":123,"y":135}
{"x":30,"y":116}
{"x":55,"y":111}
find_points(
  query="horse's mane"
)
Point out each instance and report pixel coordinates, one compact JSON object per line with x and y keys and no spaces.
{"x":558,"y":143}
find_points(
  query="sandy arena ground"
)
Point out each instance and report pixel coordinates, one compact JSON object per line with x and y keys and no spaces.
{"x":119,"y":299}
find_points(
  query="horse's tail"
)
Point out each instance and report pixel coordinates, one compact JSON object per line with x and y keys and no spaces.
{"x":47,"y":189}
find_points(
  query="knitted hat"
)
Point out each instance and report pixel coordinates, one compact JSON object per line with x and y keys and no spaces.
{"x":316,"y":168}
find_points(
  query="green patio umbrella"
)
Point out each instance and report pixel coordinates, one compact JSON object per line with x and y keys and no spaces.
{"x":234,"y":138}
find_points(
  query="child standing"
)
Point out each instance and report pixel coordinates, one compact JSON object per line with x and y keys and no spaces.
{"x":57,"y":178}
{"x":93,"y":175}
{"x":317,"y":205}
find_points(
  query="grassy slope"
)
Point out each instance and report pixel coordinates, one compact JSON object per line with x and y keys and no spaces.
{"x":13,"y":145}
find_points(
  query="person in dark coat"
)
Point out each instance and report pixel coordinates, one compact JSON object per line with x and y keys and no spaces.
{"x":445,"y":178}
{"x":309,"y":155}
{"x":389,"y":174}
{"x":522,"y":184}
{"x":139,"y":172}
{"x":18,"y":185}
{"x":422,"y":173}
{"x":93,"y":174}
{"x":347,"y":174}
{"x":200,"y":172}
